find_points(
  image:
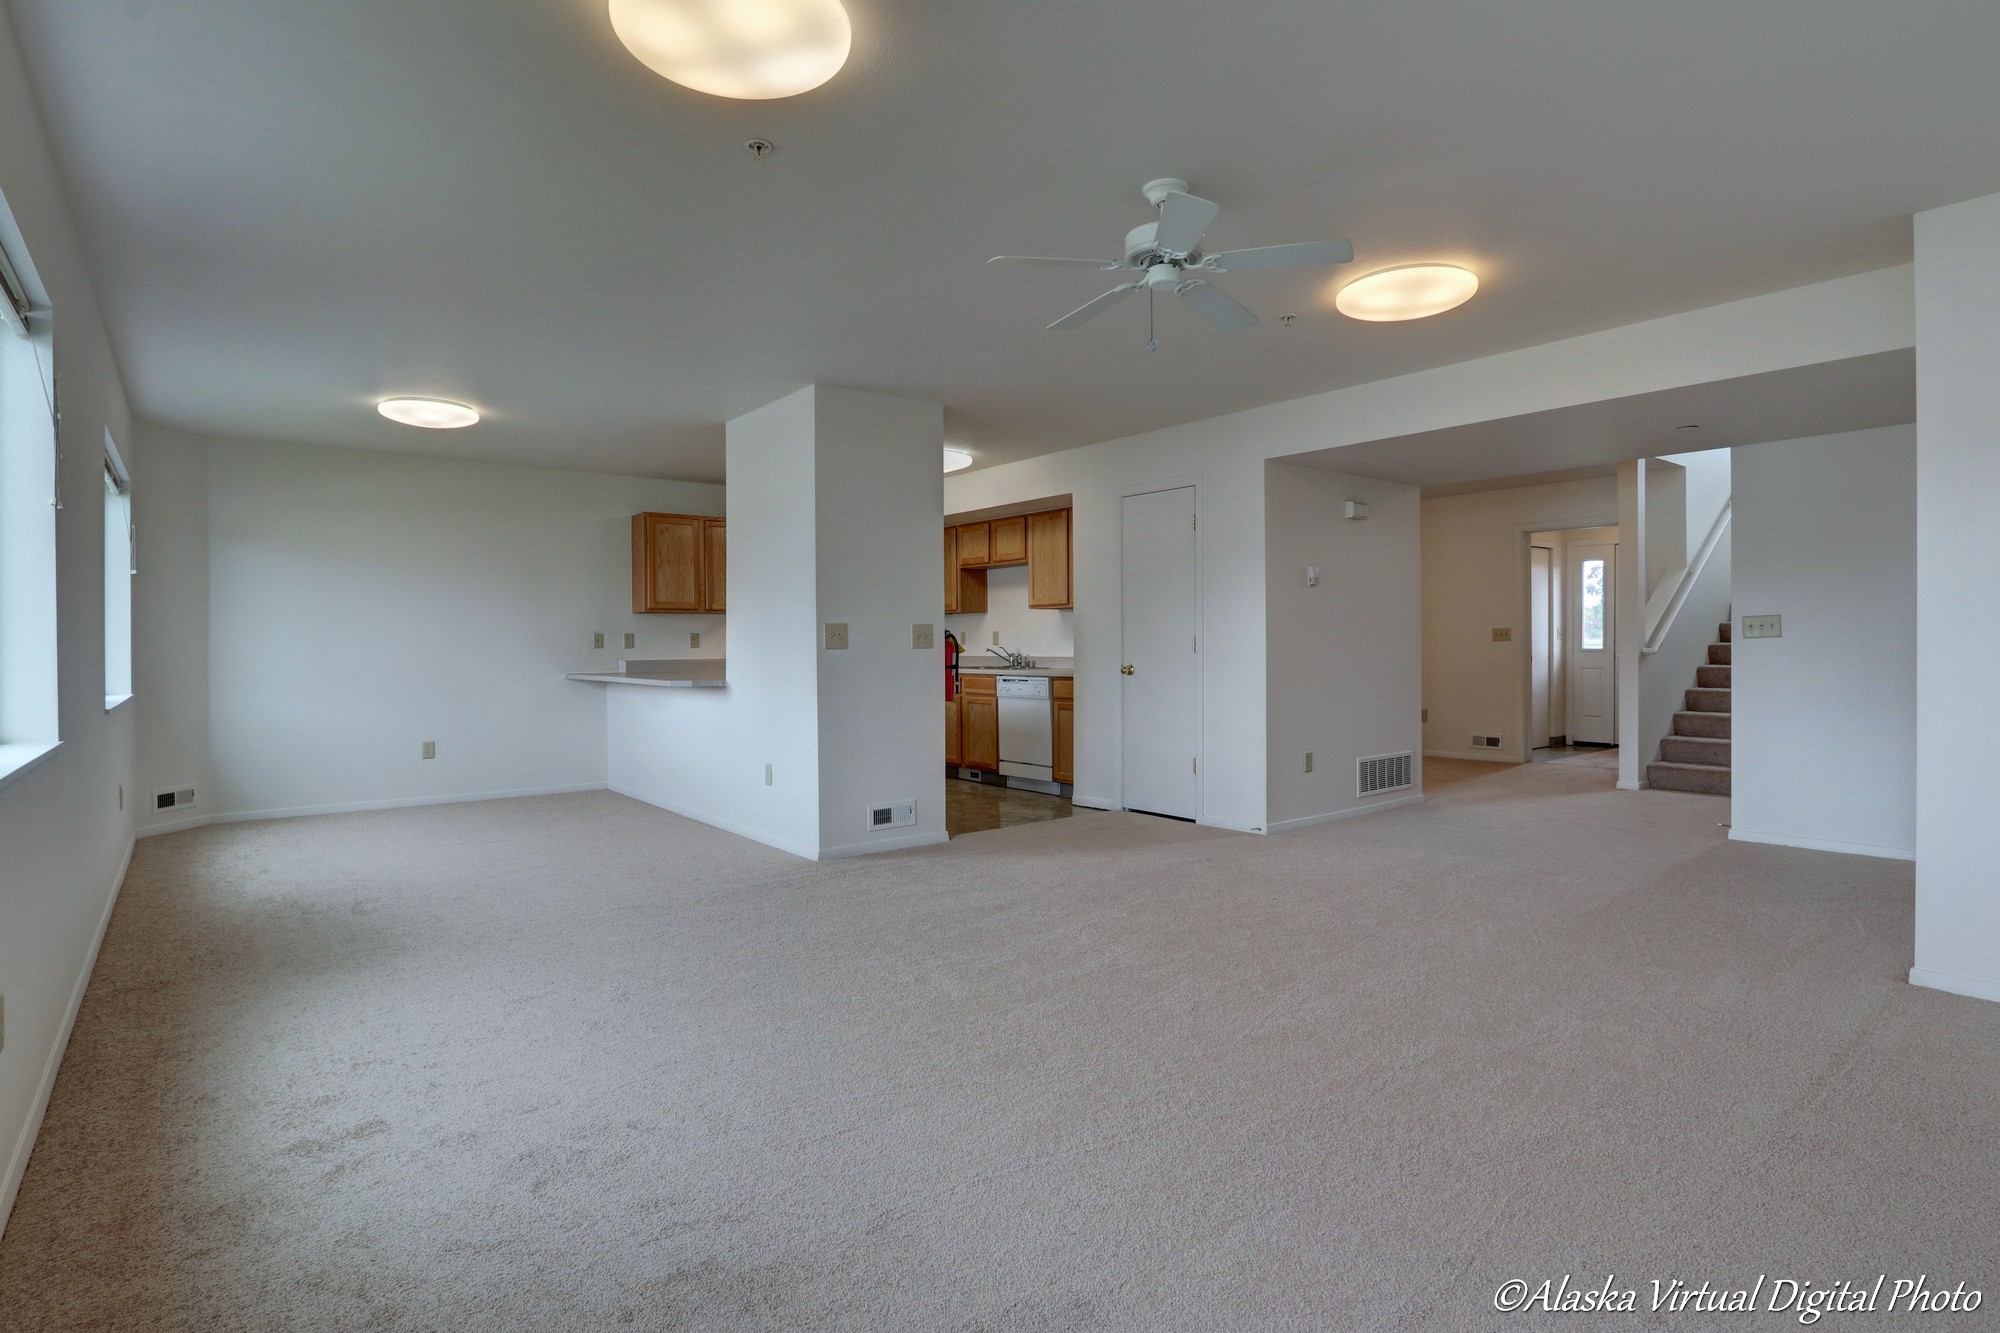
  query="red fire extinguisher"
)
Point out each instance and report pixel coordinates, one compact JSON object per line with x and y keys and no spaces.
{"x":950,"y":666}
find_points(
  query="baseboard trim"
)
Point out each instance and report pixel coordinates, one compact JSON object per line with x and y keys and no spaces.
{"x":908,"y":840}
{"x":24,"y":1146}
{"x":1332,"y":816}
{"x":1824,"y":845}
{"x":1978,"y":988}
{"x":810,"y":853}
{"x":1233,"y":825}
{"x":1484,"y":756}
{"x":357,"y":807}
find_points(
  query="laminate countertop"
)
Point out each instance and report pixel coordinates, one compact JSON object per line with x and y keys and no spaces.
{"x":684,"y":673}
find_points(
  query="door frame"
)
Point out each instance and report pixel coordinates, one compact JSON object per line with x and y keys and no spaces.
{"x":1524,"y":615}
{"x":1186,"y":482}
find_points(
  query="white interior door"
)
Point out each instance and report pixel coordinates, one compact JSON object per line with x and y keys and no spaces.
{"x":1592,"y":629}
{"x":1160,"y":675}
{"x":1541,"y":633}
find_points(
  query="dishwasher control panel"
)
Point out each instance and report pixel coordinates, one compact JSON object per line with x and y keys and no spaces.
{"x":1022,"y":687}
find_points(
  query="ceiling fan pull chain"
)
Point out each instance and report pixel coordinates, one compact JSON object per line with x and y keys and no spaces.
{"x":1152,"y":343}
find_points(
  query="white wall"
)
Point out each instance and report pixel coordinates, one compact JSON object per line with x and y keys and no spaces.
{"x":359,"y":604}
{"x":1958,"y":634}
{"x":1343,"y":658}
{"x":63,"y":837}
{"x":1825,"y":722}
{"x":1475,"y":580}
{"x":1037,"y":632}
{"x":835,"y":507}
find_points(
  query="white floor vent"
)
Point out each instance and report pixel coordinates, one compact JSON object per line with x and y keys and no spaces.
{"x":1389,"y":772}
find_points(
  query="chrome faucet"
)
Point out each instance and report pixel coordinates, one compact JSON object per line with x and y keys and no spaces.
{"x":1008,"y":655}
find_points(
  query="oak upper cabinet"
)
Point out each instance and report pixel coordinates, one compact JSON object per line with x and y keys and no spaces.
{"x":964,"y":589}
{"x":1007,"y":541}
{"x":979,"y":724}
{"x":951,"y":753}
{"x":951,"y":571}
{"x":680,"y":563}
{"x":715,"y":564}
{"x":1064,"y":704}
{"x":975,"y":545}
{"x":1048,"y":539}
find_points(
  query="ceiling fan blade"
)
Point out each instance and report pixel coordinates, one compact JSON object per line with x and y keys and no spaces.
{"x":1216,"y":306}
{"x":1184,"y":220}
{"x":1283,"y":256}
{"x":1095,"y":308}
{"x":1037,"y":261}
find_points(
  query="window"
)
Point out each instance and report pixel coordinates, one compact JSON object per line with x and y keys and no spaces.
{"x":28,"y":691}
{"x":118,"y":571}
{"x":1593,"y":605}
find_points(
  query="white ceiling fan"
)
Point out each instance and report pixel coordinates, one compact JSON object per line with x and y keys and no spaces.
{"x":1168,"y":257}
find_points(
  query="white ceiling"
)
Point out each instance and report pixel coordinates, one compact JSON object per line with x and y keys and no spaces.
{"x":1591,"y":439}
{"x":297,"y":208}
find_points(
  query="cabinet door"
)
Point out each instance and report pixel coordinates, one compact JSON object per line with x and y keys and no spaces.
{"x":951,"y":731}
{"x":666,"y":562}
{"x":951,"y":571}
{"x":1065,"y":729}
{"x":1048,"y":559}
{"x":975,"y":545}
{"x":1007,"y":542}
{"x":715,"y":563}
{"x":979,"y":719}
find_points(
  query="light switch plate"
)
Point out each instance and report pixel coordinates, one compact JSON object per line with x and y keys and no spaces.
{"x":836,"y":635}
{"x":597,"y":640}
{"x":1763,"y":627}
{"x":922,"y":636}
{"x":1503,"y":636}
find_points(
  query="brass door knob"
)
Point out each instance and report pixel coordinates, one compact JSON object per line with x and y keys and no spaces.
{"x":1125,"y":670}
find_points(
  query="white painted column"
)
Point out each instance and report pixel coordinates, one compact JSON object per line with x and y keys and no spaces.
{"x":1958,"y":630}
{"x":1629,"y":634}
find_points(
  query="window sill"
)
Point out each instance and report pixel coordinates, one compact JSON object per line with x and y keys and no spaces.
{"x":114,"y":701}
{"x":18,"y":759}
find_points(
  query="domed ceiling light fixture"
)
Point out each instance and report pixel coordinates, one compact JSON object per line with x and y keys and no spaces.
{"x":752,"y":49}
{"x":956,"y":460}
{"x":1413,"y":291}
{"x":429,"y":413}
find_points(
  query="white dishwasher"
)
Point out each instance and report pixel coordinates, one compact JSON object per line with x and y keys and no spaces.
{"x":1027,"y":732}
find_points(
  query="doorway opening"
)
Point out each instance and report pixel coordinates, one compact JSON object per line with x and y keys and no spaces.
{"x":1573,"y":634}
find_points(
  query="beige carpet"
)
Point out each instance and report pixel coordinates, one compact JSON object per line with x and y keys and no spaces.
{"x":573,"y":1063}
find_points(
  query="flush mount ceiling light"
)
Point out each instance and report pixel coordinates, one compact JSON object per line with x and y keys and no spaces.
{"x":956,"y":460}
{"x":754,"y":49}
{"x":430,"y":413}
{"x":1413,"y":291}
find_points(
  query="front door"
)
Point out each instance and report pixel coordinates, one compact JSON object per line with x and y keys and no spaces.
{"x":1592,"y":632}
{"x":1160,"y":674}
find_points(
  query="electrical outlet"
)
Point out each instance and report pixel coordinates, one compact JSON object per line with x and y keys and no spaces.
{"x":1763,"y":627}
{"x":836,"y":635}
{"x":996,"y":638}
{"x":767,"y":775}
{"x":1309,"y":761}
{"x":694,"y":640}
{"x":922,"y":636}
{"x":1503,"y":636}
{"x":631,"y":641}
{"x":597,"y":640}
{"x":430,"y":749}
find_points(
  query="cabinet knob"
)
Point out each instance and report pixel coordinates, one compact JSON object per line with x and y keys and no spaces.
{"x":1125,"y":670}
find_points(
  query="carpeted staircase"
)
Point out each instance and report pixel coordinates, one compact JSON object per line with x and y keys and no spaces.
{"x":1696,"y":756}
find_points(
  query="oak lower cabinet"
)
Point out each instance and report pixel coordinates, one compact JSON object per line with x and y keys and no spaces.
{"x":951,"y":751}
{"x":979,"y":725}
{"x":1064,"y":704}
{"x":679,"y":563}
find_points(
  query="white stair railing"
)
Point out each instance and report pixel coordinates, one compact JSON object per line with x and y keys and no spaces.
{"x":1665,"y":604}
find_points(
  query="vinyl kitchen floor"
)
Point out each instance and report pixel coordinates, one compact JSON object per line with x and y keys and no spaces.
{"x":972,"y":807}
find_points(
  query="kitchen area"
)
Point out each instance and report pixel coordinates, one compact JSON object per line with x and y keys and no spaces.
{"x":1010,"y":687}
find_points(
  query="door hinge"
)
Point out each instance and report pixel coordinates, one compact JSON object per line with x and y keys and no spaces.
{"x":1194,"y":643}
{"x":1194,"y":522}
{"x":1194,"y":765}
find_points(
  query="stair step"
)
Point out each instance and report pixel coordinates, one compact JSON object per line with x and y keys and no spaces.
{"x":1706,"y":779}
{"x":1712,"y":677}
{"x":1702,"y":724}
{"x":1704,"y":700}
{"x":1722,"y":631}
{"x":1718,"y":653}
{"x":1712,"y":750}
